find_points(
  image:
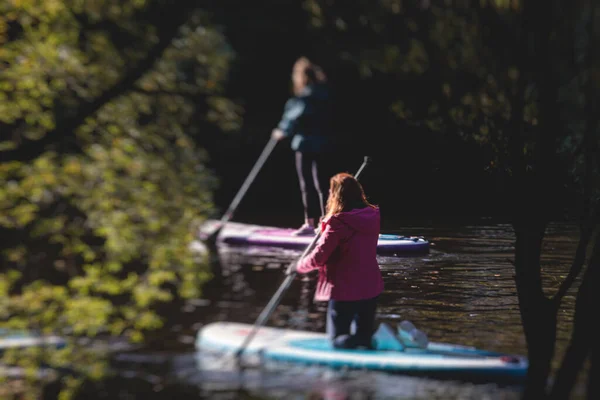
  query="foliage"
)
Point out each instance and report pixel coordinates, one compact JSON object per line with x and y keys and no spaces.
{"x":102,"y":104}
{"x":472,"y":71}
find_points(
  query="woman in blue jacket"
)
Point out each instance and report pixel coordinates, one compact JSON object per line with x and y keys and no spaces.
{"x":306,"y":119}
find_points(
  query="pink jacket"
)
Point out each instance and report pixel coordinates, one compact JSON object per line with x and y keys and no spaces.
{"x":346,"y":257}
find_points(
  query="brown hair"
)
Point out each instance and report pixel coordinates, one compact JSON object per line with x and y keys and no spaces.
{"x":312,"y":72}
{"x":345,"y":194}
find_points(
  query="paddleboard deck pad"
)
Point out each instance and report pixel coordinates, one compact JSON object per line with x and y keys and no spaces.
{"x":311,"y":348}
{"x":235,"y":233}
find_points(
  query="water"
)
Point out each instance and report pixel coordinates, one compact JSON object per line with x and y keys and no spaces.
{"x":462,"y":292}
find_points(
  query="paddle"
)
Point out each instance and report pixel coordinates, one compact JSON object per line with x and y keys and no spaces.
{"x":212,"y":236}
{"x":268,"y":310}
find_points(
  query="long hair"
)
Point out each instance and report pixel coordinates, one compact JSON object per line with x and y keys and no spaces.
{"x":312,"y":72}
{"x":345,"y":194}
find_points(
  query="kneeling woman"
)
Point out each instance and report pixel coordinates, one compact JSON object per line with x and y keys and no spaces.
{"x":346,"y":257}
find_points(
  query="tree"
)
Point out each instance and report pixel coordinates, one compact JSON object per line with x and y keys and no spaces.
{"x":102,"y":105}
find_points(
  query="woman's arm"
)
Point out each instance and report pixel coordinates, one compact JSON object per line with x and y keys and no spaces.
{"x":326,"y":245}
{"x":293,"y":111}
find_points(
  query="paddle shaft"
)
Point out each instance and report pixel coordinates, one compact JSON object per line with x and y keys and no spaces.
{"x":249,"y":179}
{"x":268,"y":310}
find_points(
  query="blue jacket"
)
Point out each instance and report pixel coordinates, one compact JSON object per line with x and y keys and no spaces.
{"x":306,"y":119}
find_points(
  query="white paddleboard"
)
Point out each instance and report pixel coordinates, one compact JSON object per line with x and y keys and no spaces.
{"x":315,"y":348}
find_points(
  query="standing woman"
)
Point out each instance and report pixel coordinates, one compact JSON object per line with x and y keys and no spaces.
{"x":306,"y":120}
{"x":346,"y":257}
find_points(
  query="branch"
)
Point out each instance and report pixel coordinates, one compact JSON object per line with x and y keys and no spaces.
{"x":62,"y":138}
{"x":189,"y":94}
{"x":577,"y":265}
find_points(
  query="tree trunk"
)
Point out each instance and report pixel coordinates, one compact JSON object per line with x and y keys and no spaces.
{"x":582,"y":338}
{"x":537,"y":312}
{"x":593,"y":386}
{"x":531,"y":204}
{"x":585,"y":331}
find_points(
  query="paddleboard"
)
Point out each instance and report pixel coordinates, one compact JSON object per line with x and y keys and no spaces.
{"x":235,"y":233}
{"x":22,"y":338}
{"x":305,"y":347}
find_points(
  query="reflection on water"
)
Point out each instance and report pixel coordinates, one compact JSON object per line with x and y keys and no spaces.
{"x":462,"y":292}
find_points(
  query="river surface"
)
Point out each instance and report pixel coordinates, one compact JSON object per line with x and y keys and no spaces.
{"x":462,"y":292}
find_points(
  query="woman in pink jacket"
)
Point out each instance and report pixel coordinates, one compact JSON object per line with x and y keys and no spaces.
{"x":346,"y":257}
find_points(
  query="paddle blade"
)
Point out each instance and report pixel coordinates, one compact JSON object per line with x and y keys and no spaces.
{"x":209,"y":231}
